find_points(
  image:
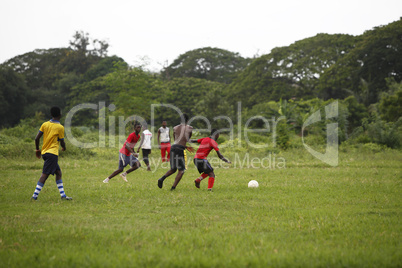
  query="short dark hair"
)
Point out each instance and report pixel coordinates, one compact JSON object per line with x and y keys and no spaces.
{"x":137,"y":124}
{"x":55,"y":111}
{"x":214,"y":131}
{"x":185,"y":117}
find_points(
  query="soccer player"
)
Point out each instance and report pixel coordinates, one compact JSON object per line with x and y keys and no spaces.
{"x":164,"y":141}
{"x":181,"y":134}
{"x":53,"y":134}
{"x":127,"y":155}
{"x":145,"y":144}
{"x":200,"y":158}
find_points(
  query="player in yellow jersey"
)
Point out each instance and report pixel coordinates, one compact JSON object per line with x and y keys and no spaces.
{"x":53,"y":134}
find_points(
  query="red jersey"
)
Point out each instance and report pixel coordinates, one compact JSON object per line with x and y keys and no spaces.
{"x":131,"y":141}
{"x":206,"y":145}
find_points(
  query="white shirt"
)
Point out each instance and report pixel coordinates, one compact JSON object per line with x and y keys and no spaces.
{"x":164,"y":134}
{"x":147,"y":136}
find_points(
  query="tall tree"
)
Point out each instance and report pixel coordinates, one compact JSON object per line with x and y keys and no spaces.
{"x":377,"y":55}
{"x":13,"y":96}
{"x":291,"y":71}
{"x":208,"y":63}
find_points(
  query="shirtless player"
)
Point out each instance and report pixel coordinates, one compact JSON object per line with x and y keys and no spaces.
{"x":181,"y":134}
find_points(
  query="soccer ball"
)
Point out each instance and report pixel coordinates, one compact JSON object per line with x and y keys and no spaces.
{"x":253,"y":184}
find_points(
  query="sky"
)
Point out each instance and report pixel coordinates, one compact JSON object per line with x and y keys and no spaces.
{"x":154,"y":33}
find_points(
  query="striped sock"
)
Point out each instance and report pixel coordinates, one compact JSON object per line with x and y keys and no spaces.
{"x":38,"y":188}
{"x":61,"y":188}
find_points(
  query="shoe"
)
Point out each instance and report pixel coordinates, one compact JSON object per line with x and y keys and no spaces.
{"x":173,"y":188}
{"x":123,"y":175}
{"x":160,"y":183}
{"x":197,"y":183}
{"x":66,"y":198}
{"x":34,"y":198}
{"x":106,"y":180}
{"x":209,"y":189}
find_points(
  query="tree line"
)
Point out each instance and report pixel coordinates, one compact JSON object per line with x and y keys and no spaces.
{"x":363,"y":72}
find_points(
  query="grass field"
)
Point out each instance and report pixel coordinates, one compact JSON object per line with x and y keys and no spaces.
{"x":304,"y":215}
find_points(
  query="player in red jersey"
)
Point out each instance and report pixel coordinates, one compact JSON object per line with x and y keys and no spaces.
{"x":200,"y":158}
{"x":127,"y":155}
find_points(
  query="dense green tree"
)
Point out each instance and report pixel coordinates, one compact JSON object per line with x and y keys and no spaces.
{"x":390,"y":104}
{"x":291,"y":71}
{"x":357,"y":112}
{"x":208,"y":63}
{"x":50,"y":74}
{"x":130,"y":90}
{"x":196,"y":97}
{"x":377,"y":55}
{"x":13,"y":96}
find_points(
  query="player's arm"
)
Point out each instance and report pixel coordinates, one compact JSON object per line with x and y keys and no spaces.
{"x":37,"y":139}
{"x":139,"y":147}
{"x":193,"y":141}
{"x":131,"y":150}
{"x":63,"y":145}
{"x":222,"y":157}
{"x":159,"y":135}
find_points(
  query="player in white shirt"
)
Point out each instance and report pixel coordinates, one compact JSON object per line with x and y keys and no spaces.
{"x":146,"y":146}
{"x":164,"y":141}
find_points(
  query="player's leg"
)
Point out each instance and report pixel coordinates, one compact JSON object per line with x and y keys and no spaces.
{"x":173,"y":168}
{"x":181,"y":166}
{"x":199,"y":164}
{"x":60,"y":185}
{"x":168,"y":150}
{"x":122,"y":164}
{"x":198,"y":180}
{"x":116,"y":172}
{"x":136,"y":165}
{"x":211,"y":180}
{"x":163,"y":152}
{"x":167,"y":174}
{"x":39,"y":185}
{"x":145,"y":154}
{"x":177,"y":179}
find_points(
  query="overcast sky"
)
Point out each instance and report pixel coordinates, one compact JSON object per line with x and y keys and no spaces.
{"x":161,"y":30}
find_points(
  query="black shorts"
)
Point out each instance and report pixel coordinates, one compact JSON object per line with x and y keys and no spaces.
{"x":145,"y":153}
{"x":203,"y":166}
{"x":177,"y":160}
{"x":51,"y":164}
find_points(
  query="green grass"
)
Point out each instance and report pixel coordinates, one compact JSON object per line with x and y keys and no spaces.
{"x":304,"y":215}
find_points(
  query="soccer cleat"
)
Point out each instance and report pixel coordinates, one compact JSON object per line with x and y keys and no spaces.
{"x":34,"y":198}
{"x":106,"y":180}
{"x":123,"y":175}
{"x":197,"y":183}
{"x":66,"y":198}
{"x":160,"y":183}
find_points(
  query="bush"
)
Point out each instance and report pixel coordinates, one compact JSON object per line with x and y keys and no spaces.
{"x":384,"y":133}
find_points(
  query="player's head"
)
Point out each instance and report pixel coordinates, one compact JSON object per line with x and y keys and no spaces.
{"x":137,"y":127}
{"x":164,"y":123}
{"x":55,"y":112}
{"x":214,"y":134}
{"x":184,"y":118}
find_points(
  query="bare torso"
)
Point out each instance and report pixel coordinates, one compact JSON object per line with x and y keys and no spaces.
{"x":182,"y":134}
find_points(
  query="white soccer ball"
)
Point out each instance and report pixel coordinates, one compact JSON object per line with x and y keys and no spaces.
{"x":253,"y":184}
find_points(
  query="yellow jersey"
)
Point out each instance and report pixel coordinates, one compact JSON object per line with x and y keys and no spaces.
{"x":53,"y":132}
